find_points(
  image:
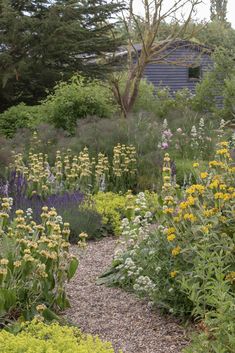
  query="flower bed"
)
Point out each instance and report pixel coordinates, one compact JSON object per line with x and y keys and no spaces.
{"x":35,"y":263}
{"x":187,"y":265}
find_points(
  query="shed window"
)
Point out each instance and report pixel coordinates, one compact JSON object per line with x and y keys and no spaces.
{"x":194,"y":73}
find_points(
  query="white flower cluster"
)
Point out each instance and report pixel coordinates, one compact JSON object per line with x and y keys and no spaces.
{"x":201,"y":129}
{"x":144,"y":284}
{"x":141,"y":201}
{"x":59,"y":219}
{"x":29,"y":212}
{"x":134,"y":231}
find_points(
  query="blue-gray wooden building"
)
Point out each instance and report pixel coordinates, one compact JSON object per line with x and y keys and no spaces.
{"x":181,"y":65}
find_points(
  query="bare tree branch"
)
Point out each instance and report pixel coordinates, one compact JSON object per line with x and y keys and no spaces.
{"x":155,"y":13}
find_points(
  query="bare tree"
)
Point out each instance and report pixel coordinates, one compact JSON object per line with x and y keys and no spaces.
{"x":155,"y":13}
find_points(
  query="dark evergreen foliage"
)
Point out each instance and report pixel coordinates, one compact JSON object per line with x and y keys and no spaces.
{"x":42,"y":42}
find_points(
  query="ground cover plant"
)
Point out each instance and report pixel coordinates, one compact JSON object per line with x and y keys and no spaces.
{"x":51,"y":338}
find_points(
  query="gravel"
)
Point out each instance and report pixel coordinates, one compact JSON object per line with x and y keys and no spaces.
{"x":115,"y":315}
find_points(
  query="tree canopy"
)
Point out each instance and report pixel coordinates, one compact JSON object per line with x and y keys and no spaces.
{"x":44,"y":41}
{"x":219,"y":10}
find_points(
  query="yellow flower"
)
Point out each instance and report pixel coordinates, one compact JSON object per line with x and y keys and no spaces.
{"x":196,"y":188}
{"x":231,"y":277}
{"x":190,"y":217}
{"x":19,"y":212}
{"x":176,"y":251}
{"x":170,"y":230}
{"x":205,"y":229}
{"x":168,"y":210}
{"x":221,"y":196}
{"x":223,"y":152}
{"x":173,"y":274}
{"x":4,"y":215}
{"x":183,"y":205}
{"x":215,"y":163}
{"x":223,"y":144}
{"x":3,"y":271}
{"x":195,"y":165}
{"x":171,"y":237}
{"x":83,"y":235}
{"x":28,"y":258}
{"x":204,"y":175}
{"x":4,"y":261}
{"x":41,"y":307}
{"x":17,"y":264}
{"x":177,"y":219}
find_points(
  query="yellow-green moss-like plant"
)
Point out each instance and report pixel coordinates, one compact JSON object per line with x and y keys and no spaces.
{"x":114,"y":207}
{"x":39,"y":337}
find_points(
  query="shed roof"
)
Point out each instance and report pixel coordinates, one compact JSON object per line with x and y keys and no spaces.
{"x":168,"y":45}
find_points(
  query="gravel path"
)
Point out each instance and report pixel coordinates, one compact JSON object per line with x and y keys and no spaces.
{"x":114,"y":314}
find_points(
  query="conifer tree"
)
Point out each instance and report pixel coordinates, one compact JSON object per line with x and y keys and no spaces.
{"x":219,"y":10}
{"x":44,"y":41}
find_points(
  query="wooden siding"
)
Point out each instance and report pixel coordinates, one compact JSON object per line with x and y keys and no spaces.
{"x":175,"y":76}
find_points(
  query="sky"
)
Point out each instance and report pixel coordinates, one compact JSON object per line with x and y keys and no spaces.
{"x":203,"y":10}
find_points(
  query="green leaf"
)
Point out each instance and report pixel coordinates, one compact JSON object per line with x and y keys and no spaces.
{"x":7,"y":298}
{"x":50,"y":315}
{"x":72,"y":267}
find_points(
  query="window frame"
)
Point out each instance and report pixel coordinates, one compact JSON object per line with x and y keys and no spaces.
{"x":195,"y":78}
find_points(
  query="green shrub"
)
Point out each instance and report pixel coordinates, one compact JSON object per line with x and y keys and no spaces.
{"x":39,"y":337}
{"x":112,"y":208}
{"x":83,"y":221}
{"x":20,"y":116}
{"x":78,"y":99}
{"x":229,"y":98}
{"x":35,"y":263}
{"x":185,"y":172}
{"x":214,"y":304}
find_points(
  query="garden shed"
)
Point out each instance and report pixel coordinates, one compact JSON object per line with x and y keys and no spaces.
{"x":181,"y":64}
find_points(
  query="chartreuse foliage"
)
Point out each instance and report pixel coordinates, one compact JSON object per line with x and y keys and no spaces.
{"x":114,"y":207}
{"x":35,"y":263}
{"x":40,"y":338}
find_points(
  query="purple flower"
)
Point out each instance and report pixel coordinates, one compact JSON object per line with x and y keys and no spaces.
{"x":167,"y":133}
{"x":164,"y":145}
